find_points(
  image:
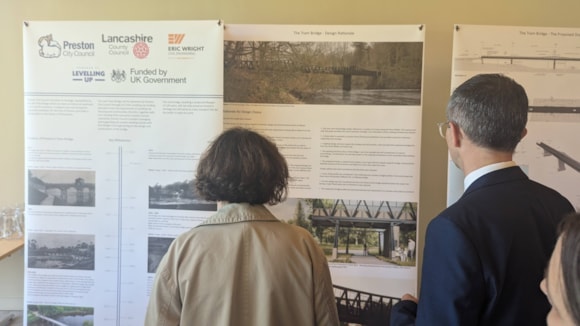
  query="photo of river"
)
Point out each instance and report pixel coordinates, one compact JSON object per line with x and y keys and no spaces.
{"x":331,"y":73}
{"x":364,"y":96}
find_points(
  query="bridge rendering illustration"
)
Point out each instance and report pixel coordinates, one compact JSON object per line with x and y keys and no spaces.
{"x":366,"y":214}
{"x":511,"y":58}
{"x":563,"y":158}
{"x":363,"y":307}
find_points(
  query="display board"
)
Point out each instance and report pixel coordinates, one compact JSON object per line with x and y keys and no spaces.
{"x":116,"y":116}
{"x":546,"y":62}
{"x":344,"y":103}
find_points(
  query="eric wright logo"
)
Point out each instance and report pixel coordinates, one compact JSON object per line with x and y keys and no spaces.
{"x":49,"y":48}
{"x":175,"y":38}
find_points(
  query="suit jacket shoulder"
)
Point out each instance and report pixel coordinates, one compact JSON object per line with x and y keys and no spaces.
{"x":485,"y":255}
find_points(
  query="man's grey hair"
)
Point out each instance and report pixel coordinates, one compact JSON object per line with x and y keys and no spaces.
{"x":491,"y":109}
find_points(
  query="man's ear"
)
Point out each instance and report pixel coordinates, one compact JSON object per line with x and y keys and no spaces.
{"x":524,"y":133}
{"x":456,"y":134}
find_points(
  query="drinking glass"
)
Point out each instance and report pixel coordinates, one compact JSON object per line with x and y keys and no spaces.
{"x":5,"y":224}
{"x":17,"y":230}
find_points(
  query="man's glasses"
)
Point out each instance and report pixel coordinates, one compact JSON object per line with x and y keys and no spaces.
{"x":443,"y":128}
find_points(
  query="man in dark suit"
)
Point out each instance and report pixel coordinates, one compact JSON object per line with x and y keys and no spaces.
{"x":485,"y":255}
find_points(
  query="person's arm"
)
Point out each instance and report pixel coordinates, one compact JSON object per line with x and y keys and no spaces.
{"x":164,"y":308}
{"x":404,"y":312}
{"x":324,"y":299}
{"x":452,"y":284}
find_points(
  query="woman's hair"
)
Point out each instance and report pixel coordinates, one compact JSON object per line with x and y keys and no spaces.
{"x":242,"y":166}
{"x":570,"y":262}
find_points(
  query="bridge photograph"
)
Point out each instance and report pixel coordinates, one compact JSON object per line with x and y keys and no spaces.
{"x":61,"y":251}
{"x":61,"y":188}
{"x":325,"y":73}
{"x":179,"y":195}
{"x":43,"y":315}
{"x":156,"y":249}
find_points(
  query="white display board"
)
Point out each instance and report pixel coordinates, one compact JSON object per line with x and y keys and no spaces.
{"x":546,"y":62}
{"x":116,"y":116}
{"x":349,"y":124}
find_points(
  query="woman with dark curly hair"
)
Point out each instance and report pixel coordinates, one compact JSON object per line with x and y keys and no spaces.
{"x":242,"y":166}
{"x":561,"y":283}
{"x":242,"y":266}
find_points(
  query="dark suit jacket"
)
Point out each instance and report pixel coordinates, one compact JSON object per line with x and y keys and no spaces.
{"x":485,"y":255}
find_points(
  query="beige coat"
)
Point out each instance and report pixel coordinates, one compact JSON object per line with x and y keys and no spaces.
{"x":241,"y":267}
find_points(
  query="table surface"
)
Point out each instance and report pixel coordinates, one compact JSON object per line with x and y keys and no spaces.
{"x":8,"y":246}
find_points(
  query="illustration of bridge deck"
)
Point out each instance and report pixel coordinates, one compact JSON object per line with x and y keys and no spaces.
{"x":511,"y":58}
{"x":563,"y":158}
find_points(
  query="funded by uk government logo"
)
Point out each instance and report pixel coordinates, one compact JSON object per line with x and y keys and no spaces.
{"x":118,"y":75}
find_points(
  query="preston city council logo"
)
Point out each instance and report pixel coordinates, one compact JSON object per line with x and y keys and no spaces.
{"x":49,"y":48}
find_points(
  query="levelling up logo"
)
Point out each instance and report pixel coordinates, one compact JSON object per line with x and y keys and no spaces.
{"x":176,"y":50}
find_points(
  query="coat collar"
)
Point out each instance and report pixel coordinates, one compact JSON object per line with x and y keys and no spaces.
{"x":240,"y":212}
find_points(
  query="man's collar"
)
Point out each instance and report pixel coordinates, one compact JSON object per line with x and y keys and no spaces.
{"x":476,"y":174}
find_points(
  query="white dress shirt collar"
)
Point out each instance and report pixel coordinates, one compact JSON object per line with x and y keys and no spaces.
{"x":476,"y":174}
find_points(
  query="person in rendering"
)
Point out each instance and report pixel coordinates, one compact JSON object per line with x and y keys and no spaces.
{"x":243,"y":266}
{"x":411,"y":248}
{"x":561,"y":283}
{"x":485,"y":255}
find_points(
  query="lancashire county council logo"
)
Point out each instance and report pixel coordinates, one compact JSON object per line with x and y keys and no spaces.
{"x":118,"y":75}
{"x":175,"y":38}
{"x":49,"y":48}
{"x":141,"y":50}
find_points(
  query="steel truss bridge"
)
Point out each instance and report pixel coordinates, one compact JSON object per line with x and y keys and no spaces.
{"x":365,"y":214}
{"x":362,"y":307}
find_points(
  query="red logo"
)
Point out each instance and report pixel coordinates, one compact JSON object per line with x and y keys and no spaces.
{"x":141,"y":50}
